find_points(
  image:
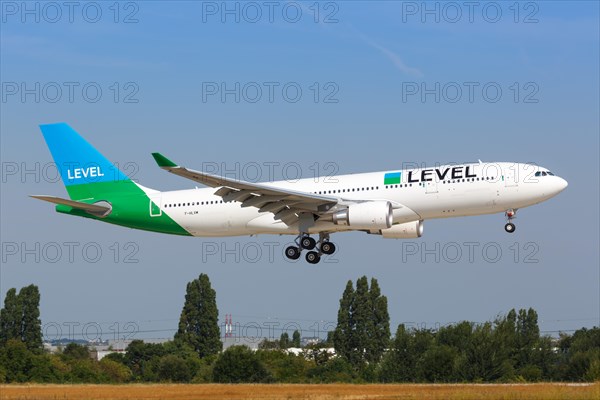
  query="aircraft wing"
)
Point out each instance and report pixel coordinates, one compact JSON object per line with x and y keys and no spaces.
{"x":285,"y":204}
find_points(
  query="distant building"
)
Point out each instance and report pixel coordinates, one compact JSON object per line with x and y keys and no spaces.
{"x":307,"y":341}
{"x":249,"y":341}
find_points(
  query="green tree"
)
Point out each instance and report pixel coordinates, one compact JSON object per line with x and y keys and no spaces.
{"x":436,"y":364}
{"x":343,"y":339}
{"x":20,"y":318}
{"x":142,"y":359}
{"x":338,"y":369}
{"x":363,"y":330}
{"x":239,"y":364}
{"x":84,"y":371}
{"x":31,"y":325}
{"x":172,"y":368}
{"x":481,"y":363}
{"x":10,"y":317}
{"x":19,"y":364}
{"x":528,"y":335}
{"x":379,"y":336}
{"x":74,"y":351}
{"x":505,"y":340}
{"x":362,"y":314}
{"x":284,"y":341}
{"x":317,"y":353}
{"x":456,"y":335}
{"x":285,"y":367}
{"x":544,"y":357}
{"x":592,"y":374}
{"x":267,"y":344}
{"x":296,"y":339}
{"x":17,"y":360}
{"x":204,"y":370}
{"x":580,"y":355}
{"x":114,"y":371}
{"x":329,"y":340}
{"x":198,"y":324}
{"x":398,"y":365}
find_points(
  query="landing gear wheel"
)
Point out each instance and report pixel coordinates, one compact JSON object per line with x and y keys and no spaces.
{"x":510,"y":227}
{"x":292,"y":252}
{"x":308,"y":243}
{"x":313,"y":257}
{"x":328,"y":248}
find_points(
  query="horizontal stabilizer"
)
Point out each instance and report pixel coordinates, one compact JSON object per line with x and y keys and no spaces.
{"x":91,"y":208}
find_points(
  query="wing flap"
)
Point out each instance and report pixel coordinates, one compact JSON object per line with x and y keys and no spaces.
{"x":259,"y":201}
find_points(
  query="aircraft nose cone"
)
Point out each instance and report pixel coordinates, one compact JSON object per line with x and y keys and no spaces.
{"x":558,"y":185}
{"x":562,"y":184}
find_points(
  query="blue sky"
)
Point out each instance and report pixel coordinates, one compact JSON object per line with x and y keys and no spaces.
{"x":364,"y":55}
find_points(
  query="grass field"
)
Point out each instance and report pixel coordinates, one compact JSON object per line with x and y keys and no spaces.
{"x":541,"y":391}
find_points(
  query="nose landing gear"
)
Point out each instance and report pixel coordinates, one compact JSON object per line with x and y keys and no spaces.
{"x":510,"y":214}
{"x":510,"y":227}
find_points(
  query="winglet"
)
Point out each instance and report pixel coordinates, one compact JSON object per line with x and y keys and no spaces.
{"x":163,"y":161}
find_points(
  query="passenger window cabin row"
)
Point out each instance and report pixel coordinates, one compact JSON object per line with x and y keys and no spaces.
{"x":335,"y":191}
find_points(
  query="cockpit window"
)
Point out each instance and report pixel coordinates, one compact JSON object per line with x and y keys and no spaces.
{"x":543,"y":173}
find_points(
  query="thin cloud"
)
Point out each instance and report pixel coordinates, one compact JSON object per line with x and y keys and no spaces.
{"x":394,"y":58}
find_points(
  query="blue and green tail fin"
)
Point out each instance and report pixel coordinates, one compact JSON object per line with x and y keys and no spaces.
{"x":85,"y":172}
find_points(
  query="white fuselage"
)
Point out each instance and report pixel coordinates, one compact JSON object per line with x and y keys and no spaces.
{"x":437,"y":192}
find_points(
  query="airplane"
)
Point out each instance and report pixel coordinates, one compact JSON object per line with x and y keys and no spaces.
{"x":393,"y":204}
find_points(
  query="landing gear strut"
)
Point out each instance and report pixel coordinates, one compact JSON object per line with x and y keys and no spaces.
{"x":305,"y":242}
{"x":325,"y":245}
{"x":510,"y":227}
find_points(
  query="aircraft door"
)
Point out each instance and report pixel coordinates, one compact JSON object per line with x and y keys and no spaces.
{"x":510,"y":174}
{"x":431,"y":186}
{"x":156,"y":205}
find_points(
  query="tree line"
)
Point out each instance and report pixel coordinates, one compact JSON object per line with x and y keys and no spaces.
{"x":508,"y":349}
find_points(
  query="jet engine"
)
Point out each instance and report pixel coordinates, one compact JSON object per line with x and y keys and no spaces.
{"x":368,"y":215}
{"x":407,"y":230}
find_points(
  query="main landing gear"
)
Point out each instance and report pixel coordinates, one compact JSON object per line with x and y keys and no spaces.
{"x":510,"y":227}
{"x":305,"y":242}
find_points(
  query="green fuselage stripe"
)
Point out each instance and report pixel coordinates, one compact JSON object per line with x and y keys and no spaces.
{"x":130,"y":206}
